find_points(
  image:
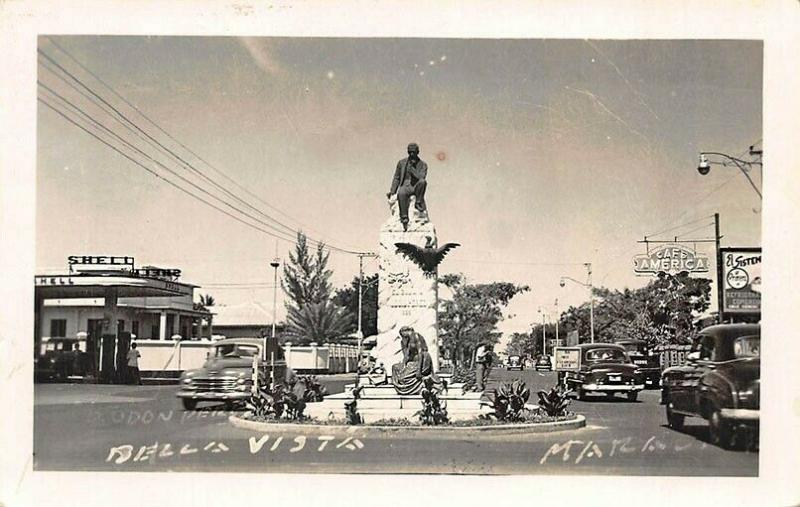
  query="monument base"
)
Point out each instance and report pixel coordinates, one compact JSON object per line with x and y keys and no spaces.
{"x":382,"y":402}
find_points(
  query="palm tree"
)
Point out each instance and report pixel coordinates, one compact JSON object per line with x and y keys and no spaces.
{"x":321,"y":322}
{"x":206,"y":301}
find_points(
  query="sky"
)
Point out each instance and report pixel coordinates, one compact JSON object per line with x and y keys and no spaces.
{"x":542,"y":154}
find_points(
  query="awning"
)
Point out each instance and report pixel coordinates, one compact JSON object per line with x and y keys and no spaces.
{"x":94,"y":286}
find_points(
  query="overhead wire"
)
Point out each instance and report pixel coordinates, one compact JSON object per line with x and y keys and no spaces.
{"x":154,"y":173}
{"x":135,"y":129}
{"x":160,"y":129}
{"x":108,"y":131}
{"x":126,"y":121}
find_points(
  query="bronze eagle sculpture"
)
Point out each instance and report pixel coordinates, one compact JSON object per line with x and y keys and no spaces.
{"x":427,"y":258}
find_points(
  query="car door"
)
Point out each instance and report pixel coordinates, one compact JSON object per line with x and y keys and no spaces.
{"x":690,"y":401}
{"x":686,"y":378}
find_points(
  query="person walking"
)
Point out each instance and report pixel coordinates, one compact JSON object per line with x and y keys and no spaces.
{"x":483,"y":364}
{"x":133,"y":364}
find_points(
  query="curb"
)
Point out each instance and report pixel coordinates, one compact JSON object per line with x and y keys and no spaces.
{"x":457,"y":431}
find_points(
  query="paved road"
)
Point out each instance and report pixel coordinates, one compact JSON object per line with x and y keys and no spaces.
{"x":143,"y":428}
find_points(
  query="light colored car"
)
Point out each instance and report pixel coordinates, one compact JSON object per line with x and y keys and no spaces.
{"x":514,"y":363}
{"x":227,"y":374}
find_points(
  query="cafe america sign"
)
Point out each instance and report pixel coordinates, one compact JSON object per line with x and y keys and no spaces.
{"x":671,"y":259}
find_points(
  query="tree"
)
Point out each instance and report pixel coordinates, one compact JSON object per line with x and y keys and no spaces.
{"x":470,"y":317}
{"x":311,"y":315}
{"x":664,"y":311}
{"x":305,"y":277}
{"x":204,"y":305}
{"x":347,"y":297}
{"x":322,"y":322}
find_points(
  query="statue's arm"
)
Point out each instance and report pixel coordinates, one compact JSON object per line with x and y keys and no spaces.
{"x":395,"y":180}
{"x":421,"y":171}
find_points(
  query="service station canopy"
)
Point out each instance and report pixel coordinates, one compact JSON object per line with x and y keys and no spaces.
{"x":97,"y":286}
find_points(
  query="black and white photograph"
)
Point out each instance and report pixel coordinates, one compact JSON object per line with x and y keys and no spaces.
{"x":407,"y":254}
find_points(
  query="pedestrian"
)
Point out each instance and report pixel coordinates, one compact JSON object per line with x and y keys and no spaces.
{"x":133,"y":364}
{"x":409,"y":179}
{"x":483,"y":364}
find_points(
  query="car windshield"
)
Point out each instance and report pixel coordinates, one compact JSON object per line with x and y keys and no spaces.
{"x":747,"y":346}
{"x":236,"y":350}
{"x":611,"y":355}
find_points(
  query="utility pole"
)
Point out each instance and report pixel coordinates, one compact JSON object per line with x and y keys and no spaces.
{"x":275,"y":263}
{"x":591,"y":302}
{"x":544,"y":336}
{"x":720,"y":291}
{"x":360,"y":332}
{"x":558,"y":317}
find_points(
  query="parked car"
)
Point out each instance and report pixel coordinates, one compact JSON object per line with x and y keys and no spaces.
{"x":227,"y":373}
{"x":543,"y":363}
{"x":60,"y":360}
{"x":720,"y":383}
{"x":605,"y":368}
{"x":514,"y":363}
{"x":648,"y":362}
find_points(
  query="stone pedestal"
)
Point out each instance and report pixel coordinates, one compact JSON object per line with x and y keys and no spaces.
{"x":407,"y":296}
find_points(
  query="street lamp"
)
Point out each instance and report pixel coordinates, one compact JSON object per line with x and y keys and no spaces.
{"x":544,"y":335}
{"x":588,"y":285}
{"x":704,"y":165}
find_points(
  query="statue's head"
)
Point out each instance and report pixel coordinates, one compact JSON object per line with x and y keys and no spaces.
{"x":413,"y":150}
{"x":406,"y":331}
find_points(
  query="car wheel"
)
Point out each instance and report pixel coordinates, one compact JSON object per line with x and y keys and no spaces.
{"x":610,"y":394}
{"x":718,"y":430}
{"x":189,"y":404}
{"x":675,"y":421}
{"x":633,"y":395}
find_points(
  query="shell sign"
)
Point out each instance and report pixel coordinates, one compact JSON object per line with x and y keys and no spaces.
{"x":671,"y":259}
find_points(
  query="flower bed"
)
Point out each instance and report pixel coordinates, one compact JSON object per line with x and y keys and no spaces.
{"x":529,"y":417}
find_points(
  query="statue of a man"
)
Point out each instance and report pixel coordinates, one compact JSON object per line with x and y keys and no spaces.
{"x":409,"y":179}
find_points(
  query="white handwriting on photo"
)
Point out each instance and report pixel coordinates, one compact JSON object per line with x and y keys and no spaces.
{"x":124,"y":453}
{"x":577,"y":451}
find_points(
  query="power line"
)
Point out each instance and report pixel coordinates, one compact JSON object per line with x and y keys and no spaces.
{"x":184,"y":162}
{"x":678,"y":226}
{"x":154,"y":124}
{"x":139,"y":132}
{"x":695,"y":229}
{"x":96,"y":123}
{"x":149,"y":170}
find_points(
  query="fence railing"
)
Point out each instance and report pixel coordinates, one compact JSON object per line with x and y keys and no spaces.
{"x":169,"y":356}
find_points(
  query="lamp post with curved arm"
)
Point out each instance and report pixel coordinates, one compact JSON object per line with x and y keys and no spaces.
{"x":704,"y":166}
{"x":588,"y":285}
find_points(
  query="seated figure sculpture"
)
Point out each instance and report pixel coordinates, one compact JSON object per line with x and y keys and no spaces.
{"x":408,"y":375}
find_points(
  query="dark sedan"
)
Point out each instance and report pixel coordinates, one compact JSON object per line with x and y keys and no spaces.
{"x":605,"y":368}
{"x":720,"y":383}
{"x":646,"y":360}
{"x":543,"y":364}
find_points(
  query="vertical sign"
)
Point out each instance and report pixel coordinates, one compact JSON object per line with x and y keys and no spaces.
{"x":741,"y":280}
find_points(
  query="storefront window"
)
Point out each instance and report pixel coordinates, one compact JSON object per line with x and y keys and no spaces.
{"x":58,"y":328}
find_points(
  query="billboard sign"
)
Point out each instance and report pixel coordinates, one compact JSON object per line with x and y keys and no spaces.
{"x":670,"y":258}
{"x":741,"y":280}
{"x":567,"y":359}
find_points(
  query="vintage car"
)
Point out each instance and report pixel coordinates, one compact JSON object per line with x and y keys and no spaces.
{"x":543,"y":363}
{"x":605,"y":368}
{"x":646,"y":360}
{"x":720,"y":382}
{"x":60,"y":359}
{"x":514,"y":363}
{"x":227,"y":375}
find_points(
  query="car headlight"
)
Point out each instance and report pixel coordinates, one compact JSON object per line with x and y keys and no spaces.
{"x":186,"y":381}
